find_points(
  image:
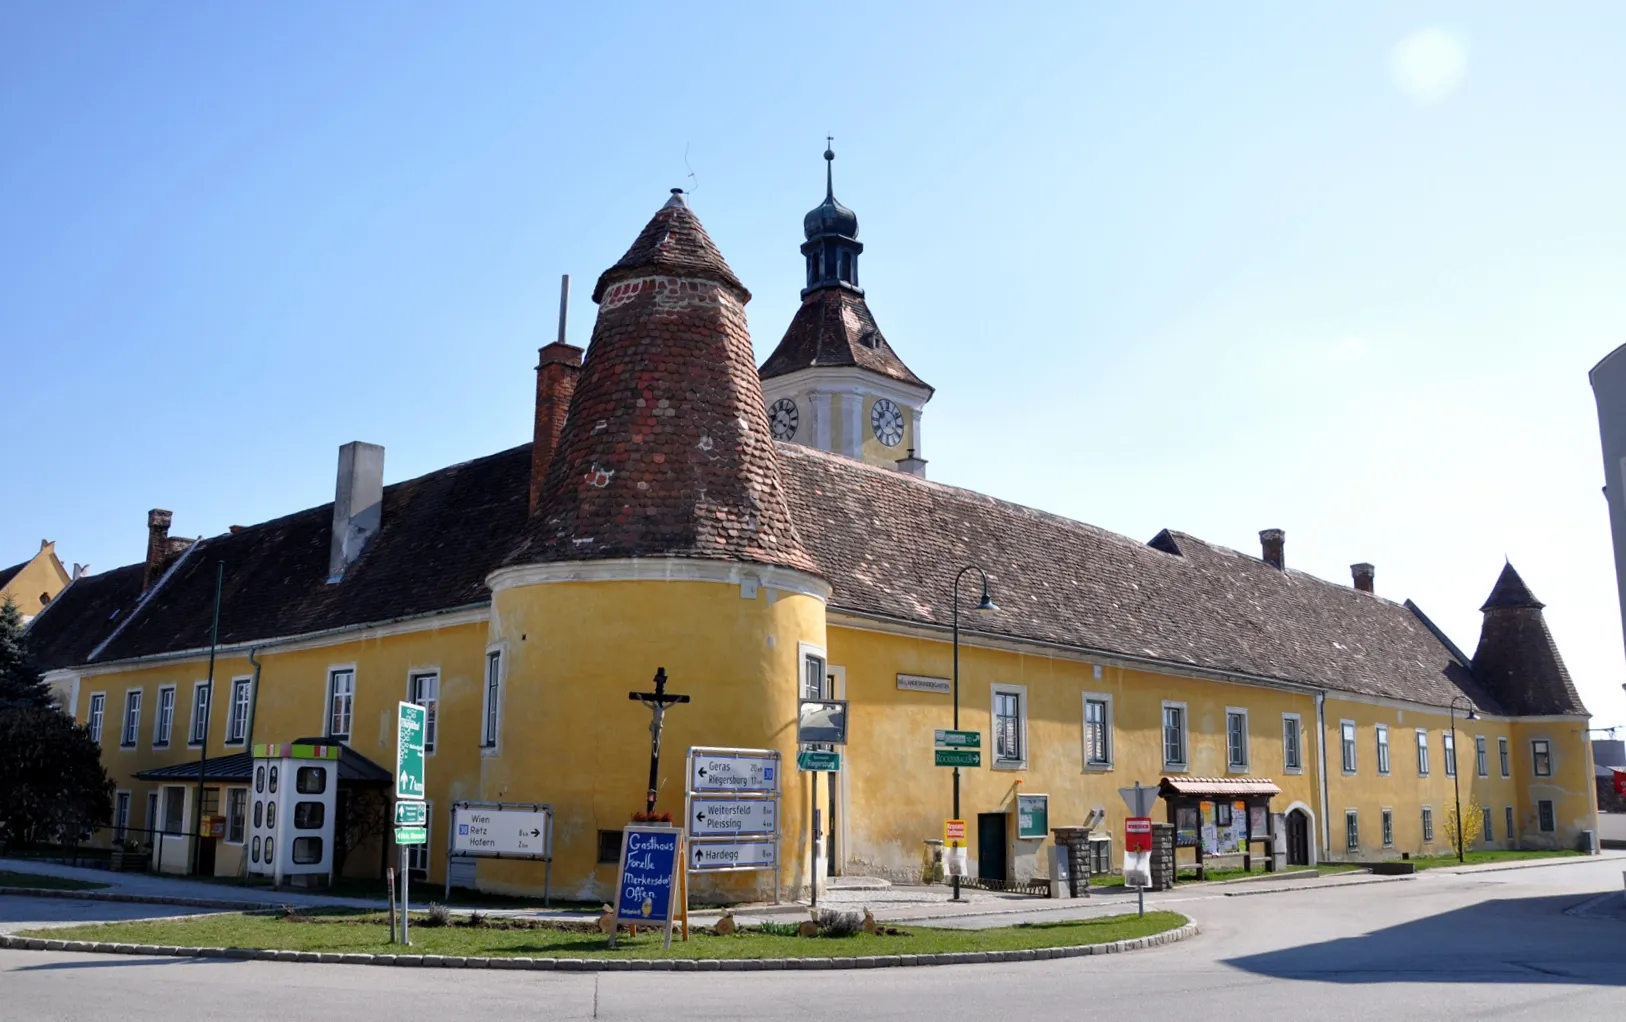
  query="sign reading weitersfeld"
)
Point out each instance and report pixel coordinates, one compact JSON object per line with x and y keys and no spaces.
{"x":409,"y":751}
{"x":647,"y":880}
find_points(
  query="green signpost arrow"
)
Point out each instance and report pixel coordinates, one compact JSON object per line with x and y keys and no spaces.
{"x":958,"y":739}
{"x":959,"y":757}
{"x":818,"y":761}
{"x":409,"y":751}
{"x":411,"y":835}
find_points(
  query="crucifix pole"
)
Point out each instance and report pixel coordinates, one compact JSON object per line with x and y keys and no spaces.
{"x":657,"y":701}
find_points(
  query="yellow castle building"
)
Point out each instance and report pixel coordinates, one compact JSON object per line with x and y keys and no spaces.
{"x":35,"y":582}
{"x":765,"y":535}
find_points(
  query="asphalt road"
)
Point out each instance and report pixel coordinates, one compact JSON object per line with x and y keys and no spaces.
{"x":1483,"y":946}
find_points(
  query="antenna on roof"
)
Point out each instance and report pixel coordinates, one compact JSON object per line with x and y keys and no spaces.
{"x":564,"y":304}
{"x":693,"y":181}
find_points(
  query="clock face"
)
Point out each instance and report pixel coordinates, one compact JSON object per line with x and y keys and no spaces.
{"x":886,"y":419}
{"x":782,"y":418}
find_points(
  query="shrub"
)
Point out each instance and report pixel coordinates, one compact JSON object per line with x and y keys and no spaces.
{"x":769,"y":928}
{"x":835,"y":923}
{"x":476,"y":919}
{"x":439,"y":915}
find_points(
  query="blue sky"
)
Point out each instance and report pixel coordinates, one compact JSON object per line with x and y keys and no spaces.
{"x":1341,"y":272}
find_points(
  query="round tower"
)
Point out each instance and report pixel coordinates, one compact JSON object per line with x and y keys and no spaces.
{"x":660,"y":539}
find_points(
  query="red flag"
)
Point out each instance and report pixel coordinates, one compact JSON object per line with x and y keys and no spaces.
{"x":1620,"y":781}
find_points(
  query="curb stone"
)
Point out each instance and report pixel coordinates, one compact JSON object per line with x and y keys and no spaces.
{"x":1185,"y":932}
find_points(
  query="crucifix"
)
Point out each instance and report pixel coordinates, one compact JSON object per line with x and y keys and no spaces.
{"x":657,"y":701}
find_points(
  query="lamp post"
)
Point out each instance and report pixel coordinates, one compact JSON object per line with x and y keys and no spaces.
{"x":984,"y":606}
{"x":1456,"y":766}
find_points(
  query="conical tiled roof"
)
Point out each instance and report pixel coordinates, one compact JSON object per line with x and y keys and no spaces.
{"x":666,"y":450}
{"x":1510,"y":591}
{"x":1517,"y":658}
{"x":834,"y":328}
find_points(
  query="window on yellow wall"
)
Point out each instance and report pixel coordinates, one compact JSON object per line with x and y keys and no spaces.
{"x":1292,"y":743}
{"x":1541,"y":757}
{"x":1383,"y":748}
{"x":1501,"y":752}
{"x":341,"y":703}
{"x":1481,"y":764}
{"x":492,"y":703}
{"x":1236,"y":739}
{"x":163,"y":722}
{"x":1174,"y":735}
{"x":1428,"y":824}
{"x":132,"y":718}
{"x":1007,"y":727}
{"x":1422,"y":753}
{"x":1448,"y":742}
{"x":1097,"y":733}
{"x":1347,"y":736}
{"x":237,"y":718}
{"x":1352,"y":830}
{"x":1388,"y":828}
{"x":1485,"y":824}
{"x":424,"y":690}
{"x":93,"y":719}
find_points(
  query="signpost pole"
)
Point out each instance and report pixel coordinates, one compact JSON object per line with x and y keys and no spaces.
{"x":390,"y":879}
{"x":406,"y":902}
{"x":813,"y":844}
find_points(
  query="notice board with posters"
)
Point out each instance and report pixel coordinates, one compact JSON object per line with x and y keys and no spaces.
{"x":1032,"y":817}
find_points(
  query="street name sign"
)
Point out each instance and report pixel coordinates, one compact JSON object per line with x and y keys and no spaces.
{"x":411,"y":814}
{"x":958,"y":757}
{"x":733,"y":817}
{"x":647,"y":882}
{"x":409,"y":734}
{"x":818,"y":760}
{"x":411,"y":835}
{"x":715,"y":856}
{"x":743,"y":771}
{"x":517,"y":832}
{"x":957,"y":739}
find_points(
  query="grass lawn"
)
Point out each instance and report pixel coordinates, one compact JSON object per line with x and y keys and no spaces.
{"x":1186,"y":874}
{"x":1475,"y":858}
{"x":42,"y":882}
{"x":367,"y":933}
{"x":356,"y":887}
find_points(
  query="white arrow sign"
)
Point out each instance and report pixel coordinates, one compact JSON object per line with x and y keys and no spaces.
{"x":733,"y":817}
{"x":720,"y":855}
{"x":736,"y":772}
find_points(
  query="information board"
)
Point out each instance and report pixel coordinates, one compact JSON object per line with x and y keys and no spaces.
{"x":647,"y":881}
{"x":1033,"y":817}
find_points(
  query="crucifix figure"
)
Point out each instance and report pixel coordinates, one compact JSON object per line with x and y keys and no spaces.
{"x":657,"y":701}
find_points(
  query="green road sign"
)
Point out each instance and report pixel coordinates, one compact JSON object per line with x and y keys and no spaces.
{"x":959,"y":739}
{"x":959,"y":757}
{"x":411,"y":835}
{"x":411,"y":814}
{"x":818,"y":761}
{"x":409,"y":751}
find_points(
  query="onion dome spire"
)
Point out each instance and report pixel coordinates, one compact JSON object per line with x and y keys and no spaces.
{"x":831,"y":229}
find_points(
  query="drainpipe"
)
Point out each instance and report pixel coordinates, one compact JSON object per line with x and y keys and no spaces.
{"x":1321,"y":768}
{"x":248,"y":737}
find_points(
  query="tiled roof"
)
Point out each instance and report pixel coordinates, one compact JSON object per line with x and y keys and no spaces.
{"x":354,"y":768}
{"x":666,"y":450}
{"x":890,"y":544}
{"x":673,"y":242}
{"x":1223,"y":786}
{"x":7,"y":574}
{"x":1517,"y":658}
{"x":70,"y":627}
{"x":1510,"y":591}
{"x":834,"y":327}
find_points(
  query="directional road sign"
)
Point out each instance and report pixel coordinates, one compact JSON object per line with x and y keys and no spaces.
{"x":958,"y":739}
{"x":411,"y":814}
{"x":817,"y":760}
{"x":409,"y":751}
{"x":733,"y":817}
{"x":714,"y":856}
{"x":411,"y":835}
{"x":520,"y":832}
{"x":959,"y":757}
{"x":734,"y":771}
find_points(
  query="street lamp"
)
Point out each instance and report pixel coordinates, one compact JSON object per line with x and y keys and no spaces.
{"x":1456,"y":765}
{"x":984,"y":606}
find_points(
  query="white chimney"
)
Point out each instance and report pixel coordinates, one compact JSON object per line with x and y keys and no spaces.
{"x":358,"y":504}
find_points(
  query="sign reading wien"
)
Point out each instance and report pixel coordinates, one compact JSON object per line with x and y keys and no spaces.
{"x":507,"y":831}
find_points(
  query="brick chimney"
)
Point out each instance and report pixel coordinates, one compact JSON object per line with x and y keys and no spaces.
{"x":1273,"y":542}
{"x":557,"y":367}
{"x":1362,"y":574}
{"x":157,"y":546}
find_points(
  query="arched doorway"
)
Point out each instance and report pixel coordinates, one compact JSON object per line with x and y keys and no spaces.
{"x":1298,"y":838}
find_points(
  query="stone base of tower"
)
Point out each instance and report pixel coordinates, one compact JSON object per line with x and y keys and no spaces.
{"x":576,"y":638}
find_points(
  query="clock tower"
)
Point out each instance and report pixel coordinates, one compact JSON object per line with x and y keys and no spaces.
{"x":834,"y":382}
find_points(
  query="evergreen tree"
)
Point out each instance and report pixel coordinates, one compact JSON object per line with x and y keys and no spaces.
{"x":52,"y":783}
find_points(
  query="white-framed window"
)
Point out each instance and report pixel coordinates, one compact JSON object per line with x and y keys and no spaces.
{"x":1388,"y":828}
{"x":174,"y":809}
{"x":121,"y":814}
{"x":237,"y":720}
{"x":1009,"y":705}
{"x":1383,"y":748}
{"x":1097,"y":731}
{"x":1422,"y":753}
{"x":1174,"y":735}
{"x":491,"y":702}
{"x":341,"y":701}
{"x":163,"y":722}
{"x":94,"y":715}
{"x":1292,"y":743}
{"x":1507,"y":823}
{"x":418,"y":855}
{"x":152,"y":813}
{"x":1448,"y":745}
{"x":1346,"y":730}
{"x":200,"y":713}
{"x":1541,"y":757}
{"x":1428,"y":824}
{"x":1352,"y":830}
{"x":423,"y":688}
{"x":1236,"y":738}
{"x":1485,"y":824}
{"x":236,"y":815}
{"x":1501,"y":752}
{"x":1545,"y":821}
{"x":1481,"y":758}
{"x":815,"y":673}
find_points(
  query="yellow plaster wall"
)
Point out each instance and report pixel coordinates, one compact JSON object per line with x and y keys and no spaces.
{"x":896,"y":798}
{"x":572,"y":738}
{"x":43,"y":575}
{"x":1571,"y":787}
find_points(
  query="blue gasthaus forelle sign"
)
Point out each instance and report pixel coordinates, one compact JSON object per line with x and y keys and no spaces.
{"x":649,"y":865}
